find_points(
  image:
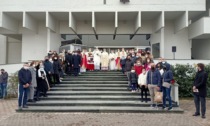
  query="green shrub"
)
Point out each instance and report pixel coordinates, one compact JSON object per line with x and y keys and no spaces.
{"x":13,"y":86}
{"x":184,"y":75}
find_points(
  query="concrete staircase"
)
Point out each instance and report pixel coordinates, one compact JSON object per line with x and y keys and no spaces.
{"x":94,"y":92}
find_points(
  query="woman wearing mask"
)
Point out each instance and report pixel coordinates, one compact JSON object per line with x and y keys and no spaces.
{"x":148,"y":64}
{"x":56,"y":70}
{"x":142,"y":80}
{"x":153,"y":82}
{"x":42,"y":82}
{"x":33,"y":85}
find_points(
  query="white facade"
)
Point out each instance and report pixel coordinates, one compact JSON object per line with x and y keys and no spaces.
{"x":35,"y":26}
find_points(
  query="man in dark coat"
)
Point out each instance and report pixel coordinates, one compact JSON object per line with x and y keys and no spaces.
{"x":3,"y":83}
{"x":76,"y":61}
{"x":200,"y":90}
{"x":48,"y":67}
{"x":68,"y":59}
{"x":56,"y":70}
{"x":25,"y":78}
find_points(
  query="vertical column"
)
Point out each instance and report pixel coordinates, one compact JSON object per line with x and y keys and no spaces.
{"x":3,"y":49}
{"x":162,"y":43}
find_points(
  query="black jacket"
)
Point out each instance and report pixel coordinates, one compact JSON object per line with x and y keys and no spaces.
{"x":133,"y":77}
{"x":69,"y":59}
{"x":128,"y":65}
{"x":76,"y":61}
{"x":200,"y":83}
{"x":122,"y":62}
{"x":48,"y":66}
{"x":24,"y":76}
{"x":56,"y":67}
{"x":4,"y":78}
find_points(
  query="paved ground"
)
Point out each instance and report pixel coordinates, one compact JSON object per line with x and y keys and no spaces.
{"x":8,"y":117}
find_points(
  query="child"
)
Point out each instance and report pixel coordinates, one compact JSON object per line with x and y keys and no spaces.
{"x":133,"y":79}
{"x":142,"y":83}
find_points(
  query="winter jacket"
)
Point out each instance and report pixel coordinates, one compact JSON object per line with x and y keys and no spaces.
{"x":138,"y":69}
{"x":4,"y":78}
{"x":128,"y":65}
{"x":24,"y":76}
{"x":154,"y":77}
{"x":200,"y":83}
{"x":122,"y":62}
{"x":33,"y":75}
{"x":133,"y":78}
{"x":56,"y":67}
{"x":48,"y":66}
{"x":167,"y":75}
{"x":76,"y":61}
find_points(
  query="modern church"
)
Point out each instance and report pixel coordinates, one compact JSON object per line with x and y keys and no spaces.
{"x":173,"y":29}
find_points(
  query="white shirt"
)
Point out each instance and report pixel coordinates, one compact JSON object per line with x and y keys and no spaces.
{"x":142,"y":79}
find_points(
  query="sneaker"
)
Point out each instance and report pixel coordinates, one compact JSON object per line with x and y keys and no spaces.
{"x":170,"y":108}
{"x":19,"y":108}
{"x":25,"y":106}
{"x":164,"y":108}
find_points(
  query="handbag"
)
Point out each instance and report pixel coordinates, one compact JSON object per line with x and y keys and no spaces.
{"x":158,"y":97}
{"x":166,"y":84}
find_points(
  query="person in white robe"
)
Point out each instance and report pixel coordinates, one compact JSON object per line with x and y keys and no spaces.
{"x":112,"y":62}
{"x":104,"y":60}
{"x":123,"y":53}
{"x":97,"y":59}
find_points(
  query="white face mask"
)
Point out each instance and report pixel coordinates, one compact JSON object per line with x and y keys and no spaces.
{"x":133,"y":71}
{"x":25,"y":67}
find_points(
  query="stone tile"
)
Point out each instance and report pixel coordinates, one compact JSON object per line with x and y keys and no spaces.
{"x":8,"y":117}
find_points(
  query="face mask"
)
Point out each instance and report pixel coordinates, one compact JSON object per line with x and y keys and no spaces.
{"x":138,"y":63}
{"x":55,"y":58}
{"x":25,"y":67}
{"x":163,"y":62}
{"x":148,"y":61}
{"x":153,"y":68}
{"x":133,"y":71}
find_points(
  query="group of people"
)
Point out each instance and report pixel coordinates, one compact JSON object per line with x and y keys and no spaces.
{"x":138,"y":66}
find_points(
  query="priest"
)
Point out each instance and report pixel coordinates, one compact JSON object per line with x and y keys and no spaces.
{"x":112,"y":58}
{"x":97,"y":58}
{"x":117,"y":60}
{"x":104,"y":60}
{"x":84,"y":61}
{"x":90,"y":61}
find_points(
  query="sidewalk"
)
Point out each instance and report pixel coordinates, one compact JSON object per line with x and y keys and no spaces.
{"x":8,"y":117}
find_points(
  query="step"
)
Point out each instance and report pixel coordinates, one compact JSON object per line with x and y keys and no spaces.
{"x":89,"y":88}
{"x":94,"y":82}
{"x":92,"y":76}
{"x":92,"y":97}
{"x":92,"y":103}
{"x":95,"y":79}
{"x":99,"y":109}
{"x":99,"y":75}
{"x":91,"y":85}
{"x":91,"y":93}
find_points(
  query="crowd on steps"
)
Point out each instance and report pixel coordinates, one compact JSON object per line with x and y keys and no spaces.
{"x":37,"y":77}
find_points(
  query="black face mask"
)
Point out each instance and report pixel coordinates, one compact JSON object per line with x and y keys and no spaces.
{"x":152,"y":68}
{"x":46,"y":59}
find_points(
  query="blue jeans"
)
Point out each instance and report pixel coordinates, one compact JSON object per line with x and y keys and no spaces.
{"x":167,"y":93}
{"x":134,"y":85}
{"x":3,"y":90}
{"x":22,"y":99}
